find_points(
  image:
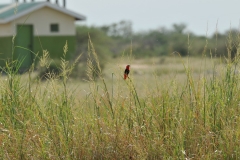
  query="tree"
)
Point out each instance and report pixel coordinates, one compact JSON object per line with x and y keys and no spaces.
{"x":101,"y":42}
{"x":179,"y":28}
{"x":122,"y":29}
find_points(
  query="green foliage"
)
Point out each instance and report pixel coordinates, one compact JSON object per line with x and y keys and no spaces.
{"x":56,"y":68}
{"x":102,"y":48}
{"x":53,"y":69}
{"x":116,"y":38}
{"x":99,"y":37}
{"x":122,"y":29}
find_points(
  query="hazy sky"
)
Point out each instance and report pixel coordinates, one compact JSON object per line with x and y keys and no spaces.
{"x":200,"y":16}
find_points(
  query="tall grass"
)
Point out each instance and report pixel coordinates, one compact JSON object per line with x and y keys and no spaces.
{"x":46,"y":120}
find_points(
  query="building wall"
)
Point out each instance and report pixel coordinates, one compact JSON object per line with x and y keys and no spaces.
{"x":43,"y":38}
{"x":53,"y":44}
{"x":43,"y":18}
{"x":6,"y":30}
{"x":5,"y":50}
{"x":55,"y":49}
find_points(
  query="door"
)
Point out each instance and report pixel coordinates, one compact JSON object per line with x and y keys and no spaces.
{"x":24,"y":46}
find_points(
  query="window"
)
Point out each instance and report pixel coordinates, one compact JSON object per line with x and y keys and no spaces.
{"x":54,"y":28}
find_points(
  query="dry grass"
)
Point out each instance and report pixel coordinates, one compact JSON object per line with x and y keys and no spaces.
{"x":169,"y":108}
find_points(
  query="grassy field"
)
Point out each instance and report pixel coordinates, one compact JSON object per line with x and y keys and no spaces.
{"x":149,"y":72}
{"x":169,"y":108}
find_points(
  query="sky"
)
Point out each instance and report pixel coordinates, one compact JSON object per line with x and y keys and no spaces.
{"x":202,"y":17}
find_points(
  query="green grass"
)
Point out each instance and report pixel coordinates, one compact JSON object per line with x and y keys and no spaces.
{"x":169,"y":108}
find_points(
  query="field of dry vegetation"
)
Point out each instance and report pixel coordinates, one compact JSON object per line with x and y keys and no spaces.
{"x":170,"y":108}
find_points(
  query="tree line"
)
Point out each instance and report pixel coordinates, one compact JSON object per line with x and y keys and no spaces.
{"x":113,"y":40}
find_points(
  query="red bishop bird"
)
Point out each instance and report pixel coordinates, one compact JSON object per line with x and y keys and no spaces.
{"x":126,"y":72}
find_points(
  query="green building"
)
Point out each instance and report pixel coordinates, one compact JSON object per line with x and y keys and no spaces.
{"x":36,"y":26}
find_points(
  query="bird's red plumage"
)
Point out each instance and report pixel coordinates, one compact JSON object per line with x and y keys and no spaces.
{"x":126,"y":72}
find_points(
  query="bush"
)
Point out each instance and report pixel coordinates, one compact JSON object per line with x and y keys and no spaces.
{"x":52,"y":70}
